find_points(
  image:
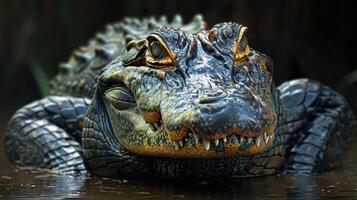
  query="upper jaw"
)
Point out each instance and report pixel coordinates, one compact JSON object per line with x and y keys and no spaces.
{"x":156,"y":141}
{"x":234,"y":140}
{"x":229,"y":143}
{"x":193,"y":146}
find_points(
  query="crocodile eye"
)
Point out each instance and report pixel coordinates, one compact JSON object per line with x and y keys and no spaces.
{"x":156,"y":49}
{"x":158,"y":55}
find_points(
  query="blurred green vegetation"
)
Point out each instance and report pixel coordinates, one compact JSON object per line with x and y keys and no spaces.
{"x":30,"y":33}
{"x":41,"y":78}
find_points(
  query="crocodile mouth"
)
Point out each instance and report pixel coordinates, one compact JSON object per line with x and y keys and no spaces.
{"x":234,"y":141}
{"x":142,"y":139}
{"x":158,"y":143}
{"x":191,"y":145}
{"x":149,"y":117}
{"x":152,"y":138}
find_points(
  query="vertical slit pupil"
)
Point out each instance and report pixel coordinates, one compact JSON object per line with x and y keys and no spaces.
{"x":156,"y":49}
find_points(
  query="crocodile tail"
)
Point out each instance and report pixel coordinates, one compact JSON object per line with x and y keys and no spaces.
{"x":319,"y":125}
{"x":77,"y":77}
{"x":46,"y":135}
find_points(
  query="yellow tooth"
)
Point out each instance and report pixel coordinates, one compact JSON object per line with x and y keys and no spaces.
{"x":207,"y":144}
{"x":258,"y":140}
{"x":181,"y":143}
{"x":197,"y":140}
{"x":225,"y":139}
{"x":241,"y":139}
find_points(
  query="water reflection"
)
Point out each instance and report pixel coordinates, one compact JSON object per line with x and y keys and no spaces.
{"x":304,"y":187}
{"x":19,"y":184}
{"x":33,"y":186}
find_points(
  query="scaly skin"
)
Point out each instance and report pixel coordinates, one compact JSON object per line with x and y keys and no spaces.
{"x":183,"y":102}
{"x":78,"y":76}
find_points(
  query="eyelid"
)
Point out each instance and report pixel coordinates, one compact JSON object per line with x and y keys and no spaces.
{"x":241,"y":55}
{"x":120,"y":97}
{"x":164,"y":63}
{"x":241,"y":33}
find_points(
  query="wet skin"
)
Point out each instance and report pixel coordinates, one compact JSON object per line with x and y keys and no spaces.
{"x":157,"y":99}
{"x":186,"y":95}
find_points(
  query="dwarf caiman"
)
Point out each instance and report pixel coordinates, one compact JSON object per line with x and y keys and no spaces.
{"x":152,"y":98}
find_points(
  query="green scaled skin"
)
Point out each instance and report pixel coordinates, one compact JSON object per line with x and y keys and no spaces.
{"x":77,"y":77}
{"x":156,"y":99}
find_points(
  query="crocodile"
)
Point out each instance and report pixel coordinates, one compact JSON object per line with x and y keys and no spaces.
{"x":152,"y":98}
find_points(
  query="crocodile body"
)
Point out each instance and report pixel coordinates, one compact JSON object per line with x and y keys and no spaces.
{"x":149,"y":98}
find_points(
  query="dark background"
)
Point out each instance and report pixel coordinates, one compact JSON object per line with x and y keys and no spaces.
{"x":305,"y":38}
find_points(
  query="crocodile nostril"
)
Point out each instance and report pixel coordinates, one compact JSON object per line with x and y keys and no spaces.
{"x":211,"y":97}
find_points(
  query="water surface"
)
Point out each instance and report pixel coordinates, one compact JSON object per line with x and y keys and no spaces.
{"x":18,"y":184}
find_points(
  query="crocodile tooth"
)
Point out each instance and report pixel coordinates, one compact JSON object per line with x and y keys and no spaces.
{"x":241,"y":139}
{"x":249,"y":140}
{"x":181,"y":143}
{"x":258,"y":140}
{"x":186,"y":139}
{"x":266,"y":138}
{"x":216,"y":142}
{"x":197,"y":140}
{"x":207,"y":144}
{"x":225,"y":139}
{"x":176,"y":145}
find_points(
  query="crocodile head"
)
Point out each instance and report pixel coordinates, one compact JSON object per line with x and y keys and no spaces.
{"x":176,"y":94}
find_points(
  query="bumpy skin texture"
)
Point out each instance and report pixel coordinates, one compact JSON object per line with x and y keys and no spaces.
{"x":46,"y":134}
{"x":78,"y":76}
{"x":178,"y":101}
{"x":320,"y":124}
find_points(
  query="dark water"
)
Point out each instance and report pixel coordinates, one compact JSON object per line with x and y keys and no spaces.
{"x":17,"y":184}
